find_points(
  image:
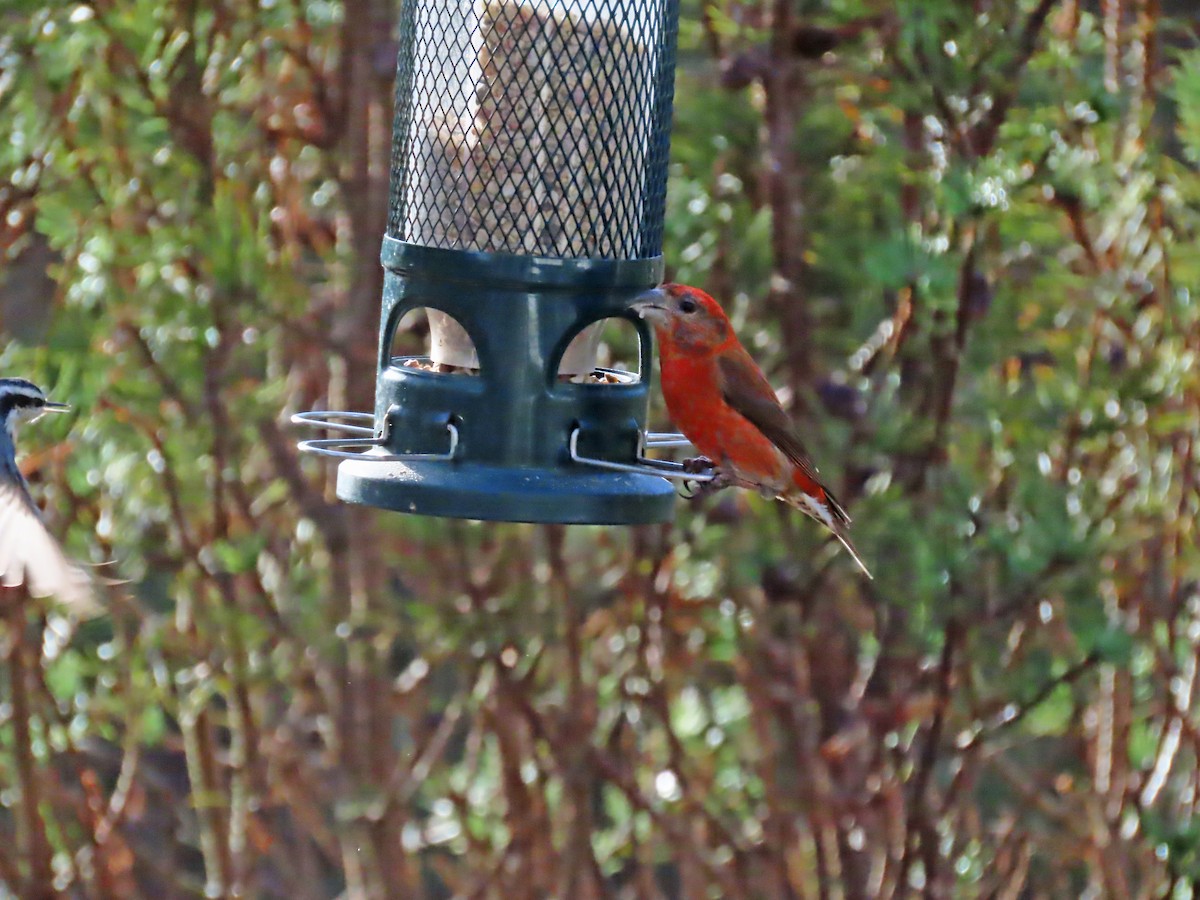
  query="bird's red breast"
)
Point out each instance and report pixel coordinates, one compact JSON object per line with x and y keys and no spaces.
{"x":691,"y":387}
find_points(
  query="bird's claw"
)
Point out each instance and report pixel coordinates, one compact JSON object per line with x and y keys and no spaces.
{"x":702,"y":465}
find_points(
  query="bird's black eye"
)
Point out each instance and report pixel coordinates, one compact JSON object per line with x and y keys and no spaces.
{"x":688,"y":305}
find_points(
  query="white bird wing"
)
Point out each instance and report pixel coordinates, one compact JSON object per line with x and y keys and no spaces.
{"x":30,"y":556}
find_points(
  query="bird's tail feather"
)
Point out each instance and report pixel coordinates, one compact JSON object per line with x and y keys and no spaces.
{"x":840,"y":534}
{"x":829,"y":513}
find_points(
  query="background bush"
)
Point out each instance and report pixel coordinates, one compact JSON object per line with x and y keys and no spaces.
{"x":958,"y":234}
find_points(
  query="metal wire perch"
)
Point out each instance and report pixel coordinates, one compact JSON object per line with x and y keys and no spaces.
{"x":645,"y":465}
{"x":366,"y":441}
{"x":369,"y":440}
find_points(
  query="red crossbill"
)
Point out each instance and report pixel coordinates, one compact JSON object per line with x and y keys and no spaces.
{"x":723,"y":404}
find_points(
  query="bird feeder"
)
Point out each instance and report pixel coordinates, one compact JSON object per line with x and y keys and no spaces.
{"x":528,"y":182}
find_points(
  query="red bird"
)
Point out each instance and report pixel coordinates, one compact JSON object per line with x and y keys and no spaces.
{"x":722,"y":402}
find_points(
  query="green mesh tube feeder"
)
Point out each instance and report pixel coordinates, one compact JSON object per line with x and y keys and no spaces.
{"x":528,"y":183}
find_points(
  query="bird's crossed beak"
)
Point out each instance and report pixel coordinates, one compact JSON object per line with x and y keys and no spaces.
{"x":51,"y":406}
{"x":652,"y":305}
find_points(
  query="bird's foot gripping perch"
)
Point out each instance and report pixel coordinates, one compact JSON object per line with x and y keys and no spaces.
{"x":702,"y":465}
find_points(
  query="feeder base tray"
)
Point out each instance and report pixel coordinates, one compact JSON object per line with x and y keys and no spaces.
{"x":499,"y":494}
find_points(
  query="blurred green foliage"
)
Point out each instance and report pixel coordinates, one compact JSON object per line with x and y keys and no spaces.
{"x":958,"y":234}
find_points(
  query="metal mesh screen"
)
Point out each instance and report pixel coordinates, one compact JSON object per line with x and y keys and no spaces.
{"x":537,"y":127}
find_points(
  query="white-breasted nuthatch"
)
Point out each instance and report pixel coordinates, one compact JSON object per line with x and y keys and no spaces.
{"x":29,"y":553}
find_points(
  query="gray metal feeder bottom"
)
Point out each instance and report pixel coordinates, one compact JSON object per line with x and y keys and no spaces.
{"x":475,"y":491}
{"x":588,"y":491}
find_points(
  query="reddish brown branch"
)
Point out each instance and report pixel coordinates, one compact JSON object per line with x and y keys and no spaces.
{"x":37,"y":851}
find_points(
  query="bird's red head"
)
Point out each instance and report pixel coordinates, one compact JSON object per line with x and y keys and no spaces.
{"x":686,"y":319}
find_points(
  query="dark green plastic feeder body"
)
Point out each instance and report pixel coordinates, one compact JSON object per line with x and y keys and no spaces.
{"x":528,"y":186}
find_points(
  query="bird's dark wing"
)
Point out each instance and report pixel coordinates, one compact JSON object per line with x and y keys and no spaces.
{"x":30,"y":556}
{"x":747,"y":391}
